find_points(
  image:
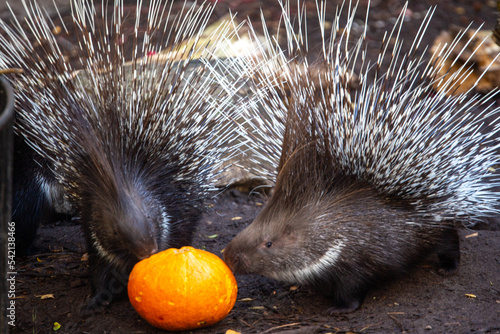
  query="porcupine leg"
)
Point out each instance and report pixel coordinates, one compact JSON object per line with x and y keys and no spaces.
{"x":347,"y":305}
{"x":449,"y":252}
{"x":107,"y":282}
{"x":348,"y":296}
{"x":29,"y":203}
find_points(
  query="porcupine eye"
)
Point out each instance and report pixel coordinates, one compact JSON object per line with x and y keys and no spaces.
{"x":269,"y":244}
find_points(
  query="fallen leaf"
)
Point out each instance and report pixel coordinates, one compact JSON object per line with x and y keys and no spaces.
{"x":46,"y":296}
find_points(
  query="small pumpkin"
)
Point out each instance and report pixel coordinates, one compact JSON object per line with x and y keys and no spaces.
{"x":182,"y":289}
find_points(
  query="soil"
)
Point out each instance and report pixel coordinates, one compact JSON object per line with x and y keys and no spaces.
{"x":423,"y":301}
{"x":52,"y":283}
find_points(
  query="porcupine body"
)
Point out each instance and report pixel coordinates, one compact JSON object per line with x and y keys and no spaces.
{"x":368,"y":181}
{"x":133,"y":147}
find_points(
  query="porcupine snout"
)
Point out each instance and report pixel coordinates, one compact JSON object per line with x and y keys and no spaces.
{"x":128,"y":224}
{"x":139,"y":228}
{"x":143,"y":244}
{"x":236,"y":259}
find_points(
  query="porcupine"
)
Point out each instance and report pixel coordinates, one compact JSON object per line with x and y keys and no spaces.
{"x":135,"y":147}
{"x":369,"y":180}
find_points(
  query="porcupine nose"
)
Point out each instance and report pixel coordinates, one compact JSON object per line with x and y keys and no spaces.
{"x":146,"y":250}
{"x":138,"y":225}
{"x":143,"y":246}
{"x":138,"y":234}
{"x":235,"y":260}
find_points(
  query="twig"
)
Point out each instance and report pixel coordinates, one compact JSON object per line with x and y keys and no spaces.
{"x":281,"y":326}
{"x":398,"y":323}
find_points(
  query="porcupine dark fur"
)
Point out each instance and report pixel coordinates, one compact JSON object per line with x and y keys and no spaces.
{"x":368,"y":181}
{"x":134,"y":148}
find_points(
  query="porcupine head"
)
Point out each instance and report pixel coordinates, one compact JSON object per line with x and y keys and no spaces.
{"x":354,"y":202}
{"x":136,"y":147}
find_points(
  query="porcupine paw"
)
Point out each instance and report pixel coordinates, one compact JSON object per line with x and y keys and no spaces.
{"x":448,"y":264}
{"x":335,"y":310}
{"x":108,"y":284}
{"x":449,"y":254}
{"x":346,"y":305}
{"x":101,"y":299}
{"x":90,"y":307}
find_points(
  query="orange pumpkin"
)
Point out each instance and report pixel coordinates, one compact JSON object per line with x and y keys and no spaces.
{"x":182,"y":289}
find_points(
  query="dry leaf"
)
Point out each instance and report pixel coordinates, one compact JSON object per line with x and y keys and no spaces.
{"x":46,"y":296}
{"x":230,"y":331}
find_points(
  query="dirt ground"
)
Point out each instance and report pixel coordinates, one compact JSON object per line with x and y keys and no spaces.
{"x":421,"y":302}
